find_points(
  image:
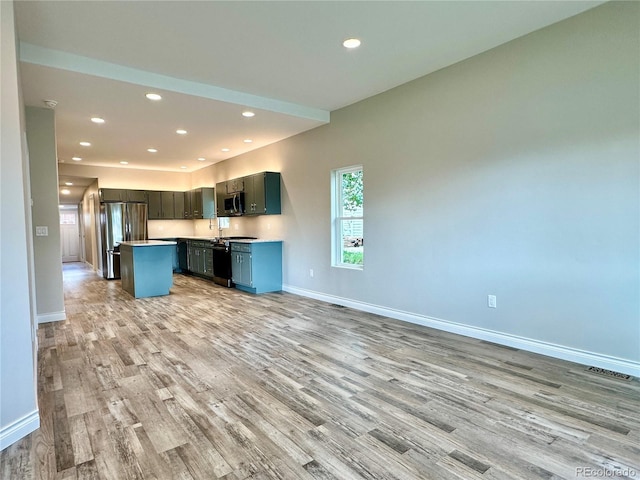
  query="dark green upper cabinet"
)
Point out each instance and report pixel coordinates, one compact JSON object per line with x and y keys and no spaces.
{"x":168,"y":210}
{"x":139,"y":196}
{"x":188,"y":201}
{"x":112,"y":195}
{"x":221,"y":192}
{"x":155,"y":205}
{"x":235,"y":185}
{"x":202,"y":203}
{"x":178,"y":205}
{"x":262,"y":194}
{"x":161,"y":206}
{"x":196,"y":203}
{"x":122,"y":195}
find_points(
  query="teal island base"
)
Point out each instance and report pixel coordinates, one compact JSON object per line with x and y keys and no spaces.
{"x":146,"y":267}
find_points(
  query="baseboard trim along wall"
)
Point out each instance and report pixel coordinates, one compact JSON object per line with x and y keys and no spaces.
{"x":51,"y":317}
{"x":536,"y":346}
{"x":19,"y":429}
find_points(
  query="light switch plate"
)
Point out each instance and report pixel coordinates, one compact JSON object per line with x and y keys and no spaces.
{"x":491,"y":301}
{"x":42,"y":231}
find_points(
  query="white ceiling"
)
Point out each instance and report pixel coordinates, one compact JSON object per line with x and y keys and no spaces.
{"x":210,"y":60}
{"x":76,"y":187}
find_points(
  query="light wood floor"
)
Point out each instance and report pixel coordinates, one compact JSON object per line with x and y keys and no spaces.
{"x":212,"y":383}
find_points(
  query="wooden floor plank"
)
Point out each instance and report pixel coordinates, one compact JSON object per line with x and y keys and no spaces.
{"x":210,"y":382}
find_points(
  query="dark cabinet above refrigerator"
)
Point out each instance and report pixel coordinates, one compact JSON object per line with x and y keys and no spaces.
{"x":167,"y":205}
{"x":122,"y":195}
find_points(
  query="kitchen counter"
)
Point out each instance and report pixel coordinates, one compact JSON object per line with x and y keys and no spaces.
{"x":148,"y":243}
{"x":255,"y":240}
{"x":224,"y":239}
{"x":146,"y":267}
{"x":189,"y":237}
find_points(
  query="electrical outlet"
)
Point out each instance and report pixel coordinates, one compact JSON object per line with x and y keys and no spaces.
{"x":311,"y":272}
{"x":42,"y":231}
{"x":491,"y":301}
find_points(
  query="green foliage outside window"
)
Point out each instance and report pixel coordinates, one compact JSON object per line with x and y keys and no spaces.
{"x":352,"y":222}
{"x":352,"y":192}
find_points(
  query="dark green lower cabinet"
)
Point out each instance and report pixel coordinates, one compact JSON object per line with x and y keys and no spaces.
{"x":200,"y":258}
{"x":257,"y":267}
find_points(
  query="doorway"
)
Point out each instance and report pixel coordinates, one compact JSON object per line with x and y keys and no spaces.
{"x":69,"y":234}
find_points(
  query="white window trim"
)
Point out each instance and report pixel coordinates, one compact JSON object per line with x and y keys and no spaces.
{"x":336,"y":218}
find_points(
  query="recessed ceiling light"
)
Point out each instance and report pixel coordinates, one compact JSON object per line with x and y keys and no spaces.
{"x":183,"y":166}
{"x":68,"y":184}
{"x":77,"y":159}
{"x":153,"y":96}
{"x":65,"y":191}
{"x":181,"y":131}
{"x":351,"y":43}
{"x":97,"y":120}
{"x":85,"y":144}
{"x":226,"y":149}
{"x":124,"y":163}
{"x":152,"y":150}
{"x":201,"y":159}
{"x":247,"y":140}
{"x":248,"y":114}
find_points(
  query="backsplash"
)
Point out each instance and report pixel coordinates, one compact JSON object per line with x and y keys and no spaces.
{"x":170,"y":228}
{"x":263,"y":226}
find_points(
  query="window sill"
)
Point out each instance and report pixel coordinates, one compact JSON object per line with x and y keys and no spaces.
{"x":347,"y":266}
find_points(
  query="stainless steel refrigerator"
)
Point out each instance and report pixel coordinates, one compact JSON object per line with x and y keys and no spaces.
{"x":120,"y":222}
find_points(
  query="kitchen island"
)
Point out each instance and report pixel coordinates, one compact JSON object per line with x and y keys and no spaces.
{"x":146,"y":267}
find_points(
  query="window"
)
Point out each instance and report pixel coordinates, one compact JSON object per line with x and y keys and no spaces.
{"x":67,"y":218}
{"x":348,"y":220}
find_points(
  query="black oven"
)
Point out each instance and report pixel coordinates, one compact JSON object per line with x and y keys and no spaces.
{"x":222,"y":264}
{"x":222,"y":260}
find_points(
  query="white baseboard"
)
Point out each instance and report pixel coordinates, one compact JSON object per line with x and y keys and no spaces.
{"x":97,"y":271}
{"x":19,"y":429}
{"x":531,"y":345}
{"x":51,"y":317}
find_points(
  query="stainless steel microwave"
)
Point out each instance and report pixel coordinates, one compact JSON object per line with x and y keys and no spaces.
{"x":234,"y":204}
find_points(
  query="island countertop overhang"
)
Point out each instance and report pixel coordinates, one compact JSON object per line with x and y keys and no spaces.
{"x":148,"y":243}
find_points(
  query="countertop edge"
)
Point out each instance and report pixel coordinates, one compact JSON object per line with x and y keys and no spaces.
{"x":256,"y":240}
{"x":148,"y":243}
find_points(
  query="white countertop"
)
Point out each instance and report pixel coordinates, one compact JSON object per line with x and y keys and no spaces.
{"x":193,"y":237}
{"x":147,"y":243}
{"x":256,"y":240}
{"x":232,"y":240}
